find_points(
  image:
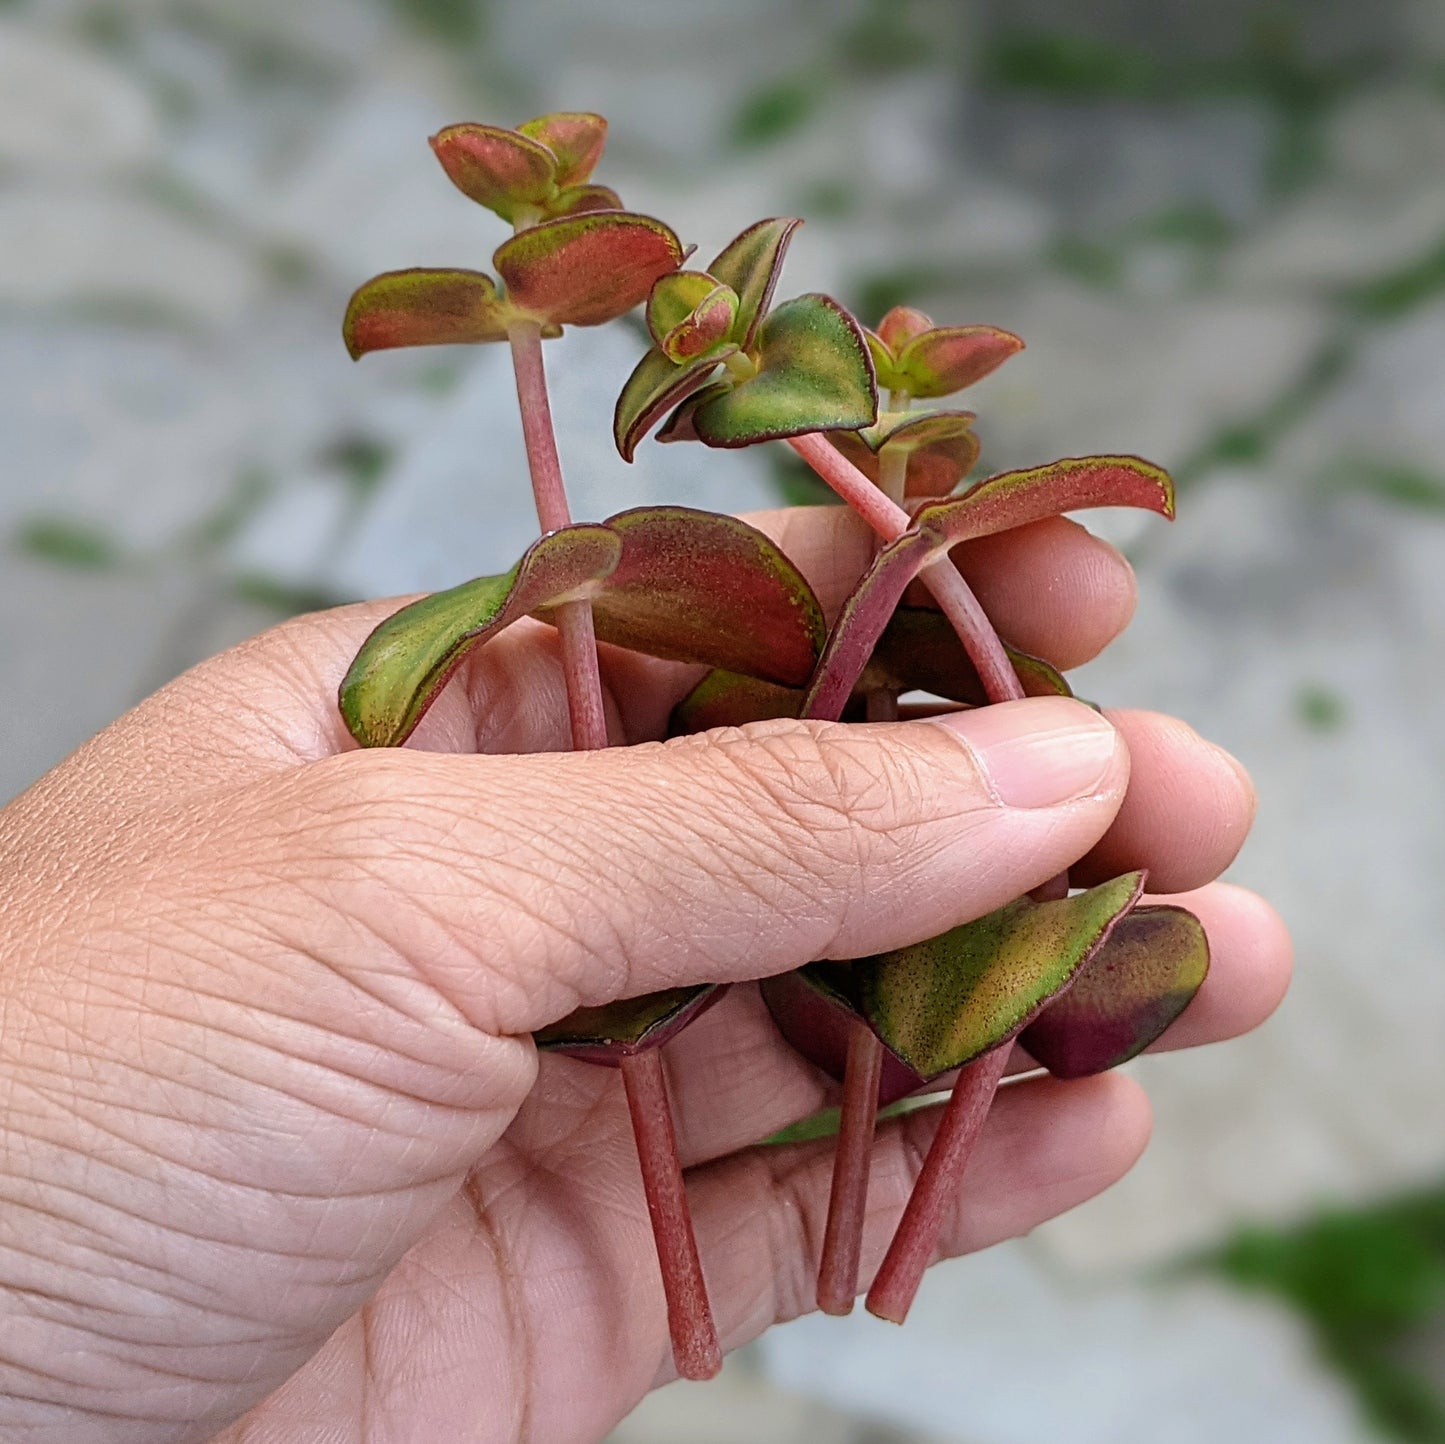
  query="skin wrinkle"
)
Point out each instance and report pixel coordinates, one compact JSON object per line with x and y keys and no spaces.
{"x":523,"y":1348}
{"x":239,"y":861}
{"x":270,"y":1048}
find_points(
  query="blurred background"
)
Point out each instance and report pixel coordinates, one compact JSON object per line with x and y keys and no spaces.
{"x":1220,"y":228}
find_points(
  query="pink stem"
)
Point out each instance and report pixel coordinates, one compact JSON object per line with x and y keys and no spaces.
{"x":574,"y":619}
{"x":857,"y":1124}
{"x":689,"y":1317}
{"x":954,"y":595}
{"x":886,"y":517}
{"x":914,"y":1243}
{"x":694,"y":1336}
{"x":848,"y":1201}
{"x":917,"y":1235}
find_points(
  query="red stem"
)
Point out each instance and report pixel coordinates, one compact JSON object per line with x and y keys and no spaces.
{"x":689,"y":1317}
{"x":574,"y":619}
{"x":954,"y":595}
{"x":917,"y":1234}
{"x":857,"y":1124}
{"x":914,"y":1243}
{"x":694,"y":1337}
{"x":848,"y":1201}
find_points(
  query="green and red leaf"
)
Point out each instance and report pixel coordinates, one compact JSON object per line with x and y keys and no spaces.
{"x":575,"y":200}
{"x":657,"y":384}
{"x":948,"y":358}
{"x":749,"y":264}
{"x":695,"y":586}
{"x":1016,"y":498}
{"x":575,"y":139}
{"x":614,"y":1031}
{"x":498,"y":168}
{"x":730,"y":699}
{"x":1136,"y":985}
{"x":902,"y":325}
{"x":406,"y":661}
{"x":941,"y":446}
{"x":942,"y":1003}
{"x":425,"y":308}
{"x":586,"y":269}
{"x":814,"y":1008}
{"x":814,"y":374}
{"x":689,"y":313}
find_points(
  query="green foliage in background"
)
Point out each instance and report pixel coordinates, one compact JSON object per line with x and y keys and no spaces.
{"x":1371,"y":1285}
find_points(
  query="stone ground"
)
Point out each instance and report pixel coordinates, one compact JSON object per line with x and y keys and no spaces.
{"x":1225,"y":244}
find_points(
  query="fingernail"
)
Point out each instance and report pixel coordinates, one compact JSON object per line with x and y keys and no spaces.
{"x":1038,"y":752}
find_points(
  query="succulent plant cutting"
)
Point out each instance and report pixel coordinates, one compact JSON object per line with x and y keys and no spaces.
{"x":1081,"y":980}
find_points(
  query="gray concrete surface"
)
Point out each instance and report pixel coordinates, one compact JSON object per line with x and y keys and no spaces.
{"x":186,"y":198}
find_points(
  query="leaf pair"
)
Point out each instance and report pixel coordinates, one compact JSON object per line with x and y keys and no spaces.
{"x":575,"y":271}
{"x":1085,"y":982}
{"x":801,"y":366}
{"x":670,"y":581}
{"x":537,"y":171}
{"x":915,"y":358}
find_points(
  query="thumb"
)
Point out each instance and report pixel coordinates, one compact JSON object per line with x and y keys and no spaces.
{"x":522,"y":887}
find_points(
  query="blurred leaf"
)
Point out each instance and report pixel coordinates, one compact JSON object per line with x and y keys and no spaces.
{"x":901,"y":325}
{"x":575,"y":138}
{"x":941,"y":1003}
{"x":363,"y":460}
{"x":775,"y":111}
{"x":885,"y":39}
{"x":949,"y":358}
{"x":1370,"y":1282}
{"x":1091,"y":262}
{"x":1398,"y":482}
{"x":500,"y":169}
{"x":67,"y":543}
{"x":1071,"y":65}
{"x":1321,"y":709}
{"x":1402,"y":289}
{"x":460,"y":23}
{"x":1138,"y":982}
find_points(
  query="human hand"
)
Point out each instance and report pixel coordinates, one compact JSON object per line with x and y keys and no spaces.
{"x":274,"y":1135}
